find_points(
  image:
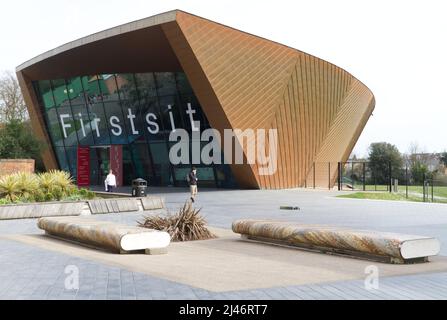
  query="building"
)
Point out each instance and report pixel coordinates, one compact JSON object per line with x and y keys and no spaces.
{"x":112,"y":99}
{"x":433,"y":161}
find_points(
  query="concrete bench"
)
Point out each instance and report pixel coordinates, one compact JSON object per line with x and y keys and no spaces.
{"x":371,"y":245}
{"x":102,"y":206}
{"x":41,"y":209}
{"x":152,"y":203}
{"x":106,"y":235}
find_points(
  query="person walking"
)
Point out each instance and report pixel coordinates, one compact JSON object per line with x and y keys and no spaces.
{"x":110,"y":181}
{"x":192,"y":180}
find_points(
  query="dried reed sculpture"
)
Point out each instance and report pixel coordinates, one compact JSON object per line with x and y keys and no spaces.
{"x":185,"y":225}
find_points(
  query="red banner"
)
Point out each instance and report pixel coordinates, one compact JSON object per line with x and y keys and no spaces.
{"x":83,"y":166}
{"x":116,"y":163}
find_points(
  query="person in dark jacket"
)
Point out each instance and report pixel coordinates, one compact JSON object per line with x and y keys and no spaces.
{"x":192,"y":179}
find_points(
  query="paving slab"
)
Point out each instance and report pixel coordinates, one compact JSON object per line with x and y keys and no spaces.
{"x":230,"y":264}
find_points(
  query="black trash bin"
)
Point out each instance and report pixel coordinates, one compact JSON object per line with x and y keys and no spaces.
{"x":139,"y":187}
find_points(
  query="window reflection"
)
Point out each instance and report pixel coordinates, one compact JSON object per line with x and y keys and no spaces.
{"x":165,"y":83}
{"x":60,"y":92}
{"x":46,"y":94}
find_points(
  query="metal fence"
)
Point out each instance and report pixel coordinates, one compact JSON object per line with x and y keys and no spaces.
{"x":364,"y":176}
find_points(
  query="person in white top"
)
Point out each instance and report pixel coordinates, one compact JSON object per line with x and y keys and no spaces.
{"x":110,"y":182}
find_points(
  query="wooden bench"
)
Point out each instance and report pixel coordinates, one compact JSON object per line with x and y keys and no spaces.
{"x":371,"y":245}
{"x":106,"y":235}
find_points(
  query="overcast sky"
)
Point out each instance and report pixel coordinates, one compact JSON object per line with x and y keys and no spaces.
{"x":397,"y":48}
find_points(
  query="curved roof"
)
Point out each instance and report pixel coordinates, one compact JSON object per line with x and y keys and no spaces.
{"x":155,"y":20}
{"x":101,"y":35}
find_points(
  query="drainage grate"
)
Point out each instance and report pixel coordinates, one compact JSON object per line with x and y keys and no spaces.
{"x":289,"y":208}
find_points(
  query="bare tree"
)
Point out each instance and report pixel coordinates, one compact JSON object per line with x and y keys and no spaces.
{"x":417,"y":154}
{"x":12,"y":105}
{"x":410,"y":155}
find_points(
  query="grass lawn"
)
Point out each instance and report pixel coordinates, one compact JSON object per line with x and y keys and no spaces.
{"x":385,"y":196}
{"x":438,"y":191}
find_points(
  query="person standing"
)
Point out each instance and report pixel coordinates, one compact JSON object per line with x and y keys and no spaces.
{"x":192,"y":179}
{"x":110,"y":181}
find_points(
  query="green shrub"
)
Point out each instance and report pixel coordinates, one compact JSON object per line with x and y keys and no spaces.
{"x":27,"y":184}
{"x":46,"y":181}
{"x":4,"y":201}
{"x":48,"y":196}
{"x":57,"y":193}
{"x":39,"y":196}
{"x":9,"y":188}
{"x":86,"y":194}
{"x":62,"y":181}
{"x":54,"y":185}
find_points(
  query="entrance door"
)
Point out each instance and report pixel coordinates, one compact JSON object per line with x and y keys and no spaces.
{"x":99,"y":164}
{"x":104,"y":158}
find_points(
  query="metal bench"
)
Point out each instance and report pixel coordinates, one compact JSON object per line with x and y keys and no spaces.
{"x":106,"y":235}
{"x":371,"y":245}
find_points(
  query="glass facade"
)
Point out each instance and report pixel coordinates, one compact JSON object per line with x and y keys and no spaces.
{"x":136,"y":111}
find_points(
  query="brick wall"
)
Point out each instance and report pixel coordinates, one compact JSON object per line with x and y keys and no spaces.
{"x":8,"y":166}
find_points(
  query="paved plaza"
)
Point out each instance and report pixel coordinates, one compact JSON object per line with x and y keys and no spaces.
{"x":34,"y":266}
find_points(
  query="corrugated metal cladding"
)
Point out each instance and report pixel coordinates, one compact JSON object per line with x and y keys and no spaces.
{"x":244,"y":81}
{"x":318,"y":108}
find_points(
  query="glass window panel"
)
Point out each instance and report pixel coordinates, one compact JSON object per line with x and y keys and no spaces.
{"x":162,"y":168}
{"x":127,"y":88}
{"x":117,"y":122}
{"x":108,"y":87}
{"x":91,"y":85}
{"x":130,"y":106}
{"x":62,"y":158}
{"x":100,"y":164}
{"x":146,"y":85}
{"x":122,"y":83}
{"x":60,"y":92}
{"x":102,"y":85}
{"x":151,"y":120}
{"x":142,"y":161}
{"x":95,"y":107}
{"x":68,"y":126}
{"x":54,"y":127}
{"x":182,"y":83}
{"x":112,"y":106}
{"x":197,"y":112}
{"x":75,"y":91}
{"x":165,"y":83}
{"x":99,"y":123}
{"x":205,"y":173}
{"x":133,"y":120}
{"x":95,"y":174}
{"x":46,"y":94}
{"x":72,"y":155}
{"x":180,"y":175}
{"x":224,"y":176}
{"x":83,"y":125}
{"x":206,"y":176}
{"x":129,"y":173}
{"x":169,"y":106}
